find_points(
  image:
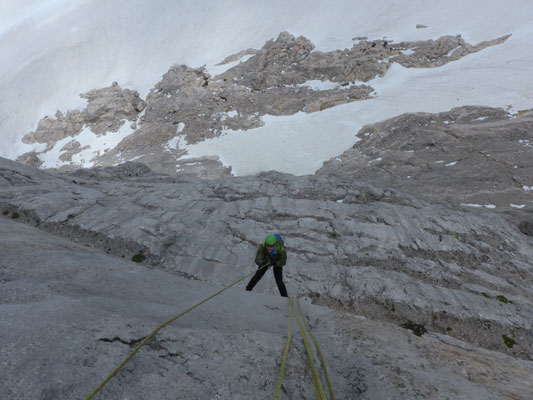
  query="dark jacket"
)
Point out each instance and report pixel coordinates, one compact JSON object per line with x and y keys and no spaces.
{"x":279,"y":259}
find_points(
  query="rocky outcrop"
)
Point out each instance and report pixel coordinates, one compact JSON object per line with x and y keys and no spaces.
{"x":435,"y":53}
{"x":107,"y":110}
{"x":289,"y":60}
{"x":472,"y":157}
{"x":189,"y":106}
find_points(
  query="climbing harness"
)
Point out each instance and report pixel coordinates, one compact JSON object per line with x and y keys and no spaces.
{"x":147,"y":338}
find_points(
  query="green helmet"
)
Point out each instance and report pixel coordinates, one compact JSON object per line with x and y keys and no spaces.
{"x":271,"y":240}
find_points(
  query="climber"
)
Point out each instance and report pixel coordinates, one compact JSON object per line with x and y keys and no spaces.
{"x":270,"y":253}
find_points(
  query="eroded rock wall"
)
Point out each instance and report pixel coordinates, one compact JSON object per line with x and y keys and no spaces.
{"x":352,"y":246}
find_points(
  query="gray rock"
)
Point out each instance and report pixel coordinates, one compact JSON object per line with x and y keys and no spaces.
{"x":435,"y":53}
{"x":465,"y":157}
{"x":526,"y":227}
{"x":107,"y":110}
{"x":355,"y":247}
{"x":71,"y":313}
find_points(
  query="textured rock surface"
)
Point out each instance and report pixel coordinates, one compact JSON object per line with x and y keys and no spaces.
{"x":70,"y":313}
{"x":475,"y":156}
{"x":188,"y":105}
{"x":352,"y":246}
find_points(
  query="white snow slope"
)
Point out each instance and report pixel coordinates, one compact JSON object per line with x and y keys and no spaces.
{"x":53,"y":50}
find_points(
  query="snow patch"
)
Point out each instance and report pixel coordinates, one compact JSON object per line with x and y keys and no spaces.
{"x":516,"y":205}
{"x":492,"y":206}
{"x":319,"y":85}
{"x":99,"y":144}
{"x":299,"y":137}
{"x":51,"y":159}
{"x":215,"y":70}
{"x":174,"y":144}
{"x":452,"y":51}
{"x":135,"y":158}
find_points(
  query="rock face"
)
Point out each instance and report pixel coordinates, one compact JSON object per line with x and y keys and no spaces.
{"x":469,"y":156}
{"x":69,"y":319}
{"x":380,"y":260}
{"x":189,"y":106}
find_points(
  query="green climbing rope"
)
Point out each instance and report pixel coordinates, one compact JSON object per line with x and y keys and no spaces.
{"x":319,"y":390}
{"x":322,"y":361}
{"x":285,"y":353}
{"x":147,"y":338}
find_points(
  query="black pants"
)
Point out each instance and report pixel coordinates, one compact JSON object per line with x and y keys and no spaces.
{"x":278,"y":274}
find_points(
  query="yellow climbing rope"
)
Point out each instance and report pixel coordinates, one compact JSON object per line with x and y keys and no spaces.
{"x":145,"y":340}
{"x":322,"y":361}
{"x":285,"y":353}
{"x":319,"y":390}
